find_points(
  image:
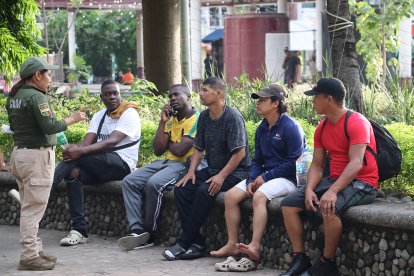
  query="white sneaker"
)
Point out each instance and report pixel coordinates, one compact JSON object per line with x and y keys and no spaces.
{"x":73,"y":238}
{"x":133,"y":240}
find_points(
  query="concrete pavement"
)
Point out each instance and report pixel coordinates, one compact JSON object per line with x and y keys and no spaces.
{"x":101,"y":256}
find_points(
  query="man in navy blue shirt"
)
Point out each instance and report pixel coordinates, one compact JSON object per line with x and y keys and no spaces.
{"x":279,"y":141}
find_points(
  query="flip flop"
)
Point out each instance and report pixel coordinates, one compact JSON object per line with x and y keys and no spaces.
{"x":174,"y":252}
{"x":224,"y":266}
{"x":244,"y":265}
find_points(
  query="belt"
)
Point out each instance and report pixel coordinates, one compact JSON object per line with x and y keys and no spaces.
{"x":36,"y":147}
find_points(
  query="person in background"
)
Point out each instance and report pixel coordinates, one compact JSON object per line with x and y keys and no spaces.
{"x":119,"y":77}
{"x":353,"y":178}
{"x":174,"y":138}
{"x":279,"y":141}
{"x":33,"y":158}
{"x":208,"y":66}
{"x":221,"y":133}
{"x":291,"y":64}
{"x":298,"y":75}
{"x":128,"y":77}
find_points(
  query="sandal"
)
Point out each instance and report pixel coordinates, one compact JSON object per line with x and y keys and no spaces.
{"x":224,"y":266}
{"x":174,"y":252}
{"x":244,"y":265}
{"x":73,"y":238}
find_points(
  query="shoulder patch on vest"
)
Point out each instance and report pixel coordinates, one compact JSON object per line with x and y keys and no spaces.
{"x":45,"y":109}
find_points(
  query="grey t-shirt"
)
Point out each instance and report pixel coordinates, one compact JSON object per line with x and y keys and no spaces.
{"x":219,"y":138}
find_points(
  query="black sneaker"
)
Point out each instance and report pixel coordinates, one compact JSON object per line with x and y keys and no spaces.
{"x":133,"y":240}
{"x":300,"y":263}
{"x":149,"y":243}
{"x":322,"y":268}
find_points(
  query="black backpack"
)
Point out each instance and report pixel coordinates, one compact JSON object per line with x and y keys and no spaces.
{"x":388,"y":155}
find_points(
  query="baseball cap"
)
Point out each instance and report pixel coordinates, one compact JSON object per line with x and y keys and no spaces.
{"x":34,"y":64}
{"x":329,"y":86}
{"x":273,"y":90}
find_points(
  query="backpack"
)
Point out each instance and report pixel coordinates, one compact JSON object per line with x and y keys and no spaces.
{"x":388,"y":155}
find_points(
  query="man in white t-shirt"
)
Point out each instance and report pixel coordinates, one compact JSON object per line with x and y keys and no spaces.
{"x":108,"y":152}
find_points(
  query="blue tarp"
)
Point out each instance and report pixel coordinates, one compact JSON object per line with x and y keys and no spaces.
{"x":213,"y":36}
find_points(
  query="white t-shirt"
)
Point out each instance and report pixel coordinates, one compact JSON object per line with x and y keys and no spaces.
{"x":129,"y":124}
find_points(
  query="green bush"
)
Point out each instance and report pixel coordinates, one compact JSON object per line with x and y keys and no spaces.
{"x":403,"y":134}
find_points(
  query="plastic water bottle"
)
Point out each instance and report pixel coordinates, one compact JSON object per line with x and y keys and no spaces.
{"x":62,"y":140}
{"x":302,"y":167}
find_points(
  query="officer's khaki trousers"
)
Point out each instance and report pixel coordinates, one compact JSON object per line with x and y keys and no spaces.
{"x":33,"y":169}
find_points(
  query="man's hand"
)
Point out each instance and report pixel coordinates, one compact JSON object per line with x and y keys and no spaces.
{"x":259,"y":181}
{"x":215,"y":184}
{"x":189,"y":176}
{"x":328,"y":203}
{"x":165,"y":113}
{"x":251,"y":188}
{"x":71,"y":153}
{"x":310,"y":200}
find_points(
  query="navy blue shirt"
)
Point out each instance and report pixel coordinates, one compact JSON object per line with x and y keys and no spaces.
{"x":277,"y":149}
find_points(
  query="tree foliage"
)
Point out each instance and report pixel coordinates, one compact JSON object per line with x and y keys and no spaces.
{"x":101,"y":38}
{"x":18,"y":34}
{"x":379,"y":27}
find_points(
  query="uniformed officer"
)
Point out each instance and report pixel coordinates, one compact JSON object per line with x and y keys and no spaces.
{"x":33,"y":157}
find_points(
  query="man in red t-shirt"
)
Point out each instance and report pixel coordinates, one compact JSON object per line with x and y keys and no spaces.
{"x":352,"y":181}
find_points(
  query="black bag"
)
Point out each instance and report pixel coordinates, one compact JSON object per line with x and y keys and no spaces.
{"x":388,"y":155}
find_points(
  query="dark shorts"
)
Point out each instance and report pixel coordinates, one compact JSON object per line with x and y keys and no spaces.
{"x":356,"y":193}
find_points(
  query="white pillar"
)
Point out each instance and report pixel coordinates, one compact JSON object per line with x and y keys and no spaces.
{"x":320,"y":7}
{"x":282,"y":6}
{"x":404,"y":52}
{"x":195,"y":23}
{"x":140,"y":46}
{"x":71,"y":38}
{"x":185,"y":43}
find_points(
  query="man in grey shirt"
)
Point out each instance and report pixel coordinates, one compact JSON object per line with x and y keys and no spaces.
{"x":222,"y":135}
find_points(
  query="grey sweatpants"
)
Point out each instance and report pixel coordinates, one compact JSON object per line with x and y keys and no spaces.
{"x":154,"y":179}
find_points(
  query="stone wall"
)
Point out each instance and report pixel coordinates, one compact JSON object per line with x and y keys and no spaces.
{"x":378,"y":239}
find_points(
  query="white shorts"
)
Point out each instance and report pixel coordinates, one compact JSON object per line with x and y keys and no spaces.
{"x":273,"y":188}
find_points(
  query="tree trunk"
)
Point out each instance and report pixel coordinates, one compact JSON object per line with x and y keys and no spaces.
{"x":344,"y":57}
{"x":162,"y":42}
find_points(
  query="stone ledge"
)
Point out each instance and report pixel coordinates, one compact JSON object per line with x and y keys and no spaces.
{"x":395,"y":215}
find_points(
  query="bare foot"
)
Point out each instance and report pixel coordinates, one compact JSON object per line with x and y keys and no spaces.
{"x":4,"y":168}
{"x":251,"y":251}
{"x":229,"y":249}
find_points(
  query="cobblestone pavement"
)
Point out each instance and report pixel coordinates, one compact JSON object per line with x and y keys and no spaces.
{"x":101,"y":256}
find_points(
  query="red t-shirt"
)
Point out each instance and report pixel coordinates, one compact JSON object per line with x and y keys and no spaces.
{"x":334,"y":141}
{"x":128,"y":78}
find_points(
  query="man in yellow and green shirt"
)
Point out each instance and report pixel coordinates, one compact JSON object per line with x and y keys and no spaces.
{"x":174,"y":138}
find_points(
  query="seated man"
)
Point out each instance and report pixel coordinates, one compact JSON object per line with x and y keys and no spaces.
{"x":279,"y":141}
{"x":108,"y":152}
{"x":353,"y":177}
{"x":222,"y":134}
{"x":174,"y":136}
